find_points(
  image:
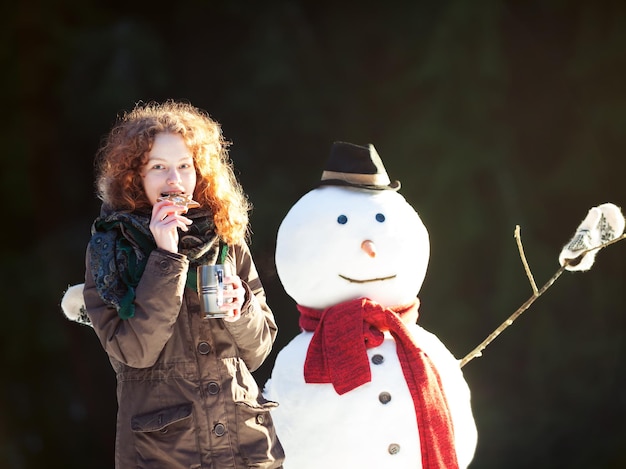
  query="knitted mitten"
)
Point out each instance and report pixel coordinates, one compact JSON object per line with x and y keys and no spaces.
{"x":602,"y":224}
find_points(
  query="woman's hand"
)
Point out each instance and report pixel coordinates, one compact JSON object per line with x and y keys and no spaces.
{"x":234,"y":297}
{"x":167,"y":217}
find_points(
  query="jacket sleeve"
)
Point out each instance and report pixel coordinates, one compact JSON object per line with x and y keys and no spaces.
{"x":138,"y":341}
{"x":254,"y":333}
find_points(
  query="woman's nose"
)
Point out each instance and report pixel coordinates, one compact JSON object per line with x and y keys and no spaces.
{"x":173,"y":177}
{"x":369,"y":247}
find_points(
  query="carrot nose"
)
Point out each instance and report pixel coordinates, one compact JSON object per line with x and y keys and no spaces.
{"x":369,"y":247}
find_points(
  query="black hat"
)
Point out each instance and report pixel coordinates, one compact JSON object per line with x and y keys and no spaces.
{"x":356,"y":166}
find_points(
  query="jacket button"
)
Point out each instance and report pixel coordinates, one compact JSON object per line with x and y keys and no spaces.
{"x":377,"y":359}
{"x":213,"y":388}
{"x":394,"y":448}
{"x":260,"y":419}
{"x":219,"y":429}
{"x":384,"y":397}
{"x":204,"y":348}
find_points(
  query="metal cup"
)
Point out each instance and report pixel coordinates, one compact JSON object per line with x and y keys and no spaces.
{"x":211,"y":290}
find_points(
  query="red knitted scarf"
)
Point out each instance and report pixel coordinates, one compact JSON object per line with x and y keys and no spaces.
{"x":337,"y":354}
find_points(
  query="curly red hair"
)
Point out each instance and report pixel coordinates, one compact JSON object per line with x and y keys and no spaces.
{"x":125,"y":150}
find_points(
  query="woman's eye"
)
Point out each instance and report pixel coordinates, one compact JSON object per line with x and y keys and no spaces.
{"x":342,"y":219}
{"x":380,"y":217}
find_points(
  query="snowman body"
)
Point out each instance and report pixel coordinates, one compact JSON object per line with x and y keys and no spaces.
{"x":337,"y":244}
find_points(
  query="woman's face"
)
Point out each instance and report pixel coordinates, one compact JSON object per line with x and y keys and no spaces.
{"x":169,"y":169}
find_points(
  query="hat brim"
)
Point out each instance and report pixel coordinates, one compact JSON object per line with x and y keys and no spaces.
{"x":394,"y":186}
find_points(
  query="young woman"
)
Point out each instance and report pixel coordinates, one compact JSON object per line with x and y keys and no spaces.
{"x":186,"y":397}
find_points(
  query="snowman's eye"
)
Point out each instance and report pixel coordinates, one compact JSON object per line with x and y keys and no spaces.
{"x":380,"y":217}
{"x":342,"y":219}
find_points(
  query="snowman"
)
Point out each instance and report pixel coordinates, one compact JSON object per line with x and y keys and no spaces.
{"x":363,"y":385}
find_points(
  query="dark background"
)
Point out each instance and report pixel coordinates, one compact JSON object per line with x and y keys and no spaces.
{"x":492,"y":114}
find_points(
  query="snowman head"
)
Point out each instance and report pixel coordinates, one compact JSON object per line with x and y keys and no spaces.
{"x":352,"y":237}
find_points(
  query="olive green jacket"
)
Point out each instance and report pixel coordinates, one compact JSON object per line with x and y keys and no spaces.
{"x":186,"y":396}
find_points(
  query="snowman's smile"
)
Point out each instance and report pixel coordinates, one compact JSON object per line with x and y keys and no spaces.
{"x":368,"y":280}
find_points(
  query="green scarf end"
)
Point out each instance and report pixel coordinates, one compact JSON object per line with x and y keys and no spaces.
{"x":127,"y":307}
{"x":192,"y":279}
{"x":223,"y":253}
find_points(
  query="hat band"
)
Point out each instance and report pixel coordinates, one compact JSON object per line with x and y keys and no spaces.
{"x":362,"y":179}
